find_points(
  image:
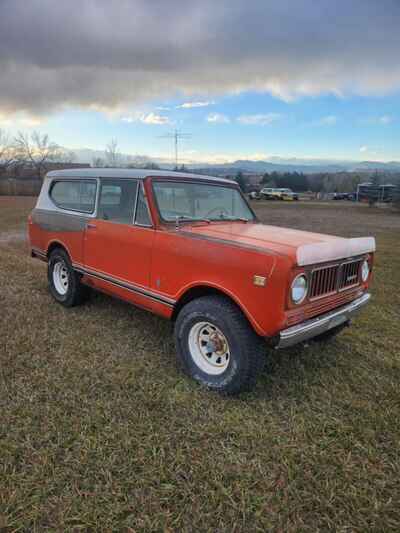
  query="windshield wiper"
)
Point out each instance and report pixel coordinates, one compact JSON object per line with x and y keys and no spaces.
{"x":185,"y":218}
{"x":233,"y":218}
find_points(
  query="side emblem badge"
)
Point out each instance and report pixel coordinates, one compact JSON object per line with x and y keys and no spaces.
{"x":259,"y":281}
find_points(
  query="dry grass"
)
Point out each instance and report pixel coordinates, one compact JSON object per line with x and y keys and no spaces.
{"x":99,"y":431}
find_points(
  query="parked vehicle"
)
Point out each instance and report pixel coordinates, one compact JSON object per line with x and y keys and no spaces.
{"x":287,"y":194}
{"x":270,"y":193}
{"x":190,"y":248}
{"x":341,"y":196}
{"x":368,"y":192}
{"x":254,"y":195}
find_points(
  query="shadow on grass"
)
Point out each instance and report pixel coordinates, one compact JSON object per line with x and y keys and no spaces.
{"x":287,"y":372}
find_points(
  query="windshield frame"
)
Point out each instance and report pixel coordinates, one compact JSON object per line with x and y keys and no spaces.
{"x":199,"y":182}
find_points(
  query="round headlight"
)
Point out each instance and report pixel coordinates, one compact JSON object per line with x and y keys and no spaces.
{"x":299,"y":288}
{"x":364,"y":270}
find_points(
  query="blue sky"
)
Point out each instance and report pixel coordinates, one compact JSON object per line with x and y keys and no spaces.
{"x":246,"y":80}
{"x":248,"y":125}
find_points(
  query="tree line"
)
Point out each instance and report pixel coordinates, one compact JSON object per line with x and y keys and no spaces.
{"x":320,"y":182}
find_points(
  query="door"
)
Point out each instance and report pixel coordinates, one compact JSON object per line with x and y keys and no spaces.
{"x":118,"y":245}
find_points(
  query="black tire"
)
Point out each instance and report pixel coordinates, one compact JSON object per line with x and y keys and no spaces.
{"x":247,"y":351}
{"x":76,"y":293}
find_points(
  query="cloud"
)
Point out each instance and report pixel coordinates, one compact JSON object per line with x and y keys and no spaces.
{"x":190,"y":105}
{"x":259,"y":120}
{"x":153,"y":118}
{"x":370,"y":151}
{"x":146,"y":118}
{"x":19,"y":120}
{"x":113,"y":55}
{"x":192,"y":156}
{"x":5,"y":121}
{"x":385,"y":119}
{"x":218,"y":118}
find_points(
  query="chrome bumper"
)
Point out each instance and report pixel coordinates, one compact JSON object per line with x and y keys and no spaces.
{"x":316,"y":326}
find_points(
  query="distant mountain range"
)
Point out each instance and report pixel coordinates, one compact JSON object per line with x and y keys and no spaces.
{"x":260,"y":167}
{"x":274,"y":164}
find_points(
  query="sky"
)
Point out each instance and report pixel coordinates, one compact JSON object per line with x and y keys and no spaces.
{"x":254,"y":79}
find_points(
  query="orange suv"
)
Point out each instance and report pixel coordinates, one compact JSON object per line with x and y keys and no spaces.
{"x":190,"y":248}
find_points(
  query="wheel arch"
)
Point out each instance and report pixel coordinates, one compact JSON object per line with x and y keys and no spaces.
{"x":56,"y":244}
{"x":204,"y":289}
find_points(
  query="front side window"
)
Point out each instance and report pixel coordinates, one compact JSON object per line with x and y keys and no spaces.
{"x":74,"y":195}
{"x":193,"y":201}
{"x":117,"y":200}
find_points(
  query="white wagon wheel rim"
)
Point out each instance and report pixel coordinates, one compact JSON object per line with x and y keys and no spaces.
{"x":61,"y":278}
{"x":209,"y":348}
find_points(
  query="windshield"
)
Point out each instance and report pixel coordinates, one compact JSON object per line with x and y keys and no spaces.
{"x":200,"y":201}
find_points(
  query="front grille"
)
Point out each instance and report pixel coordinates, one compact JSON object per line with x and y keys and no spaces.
{"x":333,"y":278}
{"x":323,"y":281}
{"x":349,"y":274}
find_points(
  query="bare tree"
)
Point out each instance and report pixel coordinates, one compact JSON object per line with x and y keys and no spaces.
{"x":67,"y":156}
{"x":37,"y":150}
{"x":7,"y":152}
{"x":98,"y":162}
{"x":112,"y":153}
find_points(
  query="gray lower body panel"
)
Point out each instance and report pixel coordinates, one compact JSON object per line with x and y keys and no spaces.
{"x":316,"y":326}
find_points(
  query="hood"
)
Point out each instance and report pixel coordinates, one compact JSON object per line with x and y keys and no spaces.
{"x":304,"y":248}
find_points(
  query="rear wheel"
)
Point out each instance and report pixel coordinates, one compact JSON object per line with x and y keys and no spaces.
{"x":216,"y":345}
{"x":64,"y":282}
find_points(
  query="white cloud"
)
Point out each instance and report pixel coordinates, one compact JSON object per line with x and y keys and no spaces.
{"x":218,"y":118}
{"x":20,"y":120}
{"x":371,"y":151}
{"x":190,"y":105}
{"x":153,"y":118}
{"x":5,"y":120}
{"x":385,"y":119}
{"x":146,"y":118}
{"x":259,"y":119}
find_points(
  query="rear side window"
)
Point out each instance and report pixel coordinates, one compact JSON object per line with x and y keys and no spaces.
{"x":117,"y":200}
{"x":75,"y":195}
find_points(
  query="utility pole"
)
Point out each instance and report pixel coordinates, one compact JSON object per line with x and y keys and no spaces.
{"x":176,"y":136}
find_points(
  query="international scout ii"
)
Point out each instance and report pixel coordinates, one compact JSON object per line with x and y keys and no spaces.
{"x":190,"y":248}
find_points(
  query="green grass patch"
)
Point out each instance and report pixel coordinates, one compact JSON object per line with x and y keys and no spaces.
{"x":100,"y":431}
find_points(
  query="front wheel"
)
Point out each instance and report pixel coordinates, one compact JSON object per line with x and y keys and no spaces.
{"x":64,"y":281}
{"x":216,"y":345}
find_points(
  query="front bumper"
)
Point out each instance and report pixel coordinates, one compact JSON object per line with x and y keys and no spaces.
{"x":311,"y":328}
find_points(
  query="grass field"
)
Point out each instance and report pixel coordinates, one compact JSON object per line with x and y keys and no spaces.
{"x":100,"y":432}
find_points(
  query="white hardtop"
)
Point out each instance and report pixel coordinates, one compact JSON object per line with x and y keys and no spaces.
{"x":138,"y":173}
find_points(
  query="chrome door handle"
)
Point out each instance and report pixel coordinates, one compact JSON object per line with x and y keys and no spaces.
{"x":91,"y":226}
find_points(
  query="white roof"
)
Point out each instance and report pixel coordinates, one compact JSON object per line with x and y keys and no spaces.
{"x":138,"y":173}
